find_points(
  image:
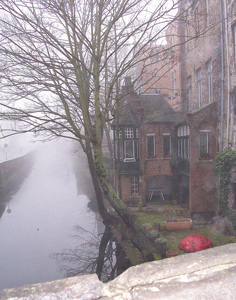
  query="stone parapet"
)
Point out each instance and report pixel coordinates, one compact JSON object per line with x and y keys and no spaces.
{"x":208,"y":274}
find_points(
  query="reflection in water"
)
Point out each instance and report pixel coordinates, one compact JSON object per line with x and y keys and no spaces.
{"x":103,"y":256}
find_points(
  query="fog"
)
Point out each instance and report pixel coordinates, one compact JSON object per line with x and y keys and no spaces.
{"x":43,"y":212}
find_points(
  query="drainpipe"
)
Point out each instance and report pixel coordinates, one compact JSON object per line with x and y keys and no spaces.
{"x":222,"y":80}
{"x":228,"y":71}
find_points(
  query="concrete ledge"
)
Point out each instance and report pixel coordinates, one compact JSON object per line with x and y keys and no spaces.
{"x":209,"y":274}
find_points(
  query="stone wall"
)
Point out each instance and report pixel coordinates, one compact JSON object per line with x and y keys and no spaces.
{"x":208,"y":274}
{"x":12,"y":174}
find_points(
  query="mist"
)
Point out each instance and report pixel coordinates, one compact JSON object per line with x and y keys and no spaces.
{"x":44,"y":211}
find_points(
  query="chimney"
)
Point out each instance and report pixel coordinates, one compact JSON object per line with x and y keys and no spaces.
{"x":140,"y":113}
{"x":128,"y":81}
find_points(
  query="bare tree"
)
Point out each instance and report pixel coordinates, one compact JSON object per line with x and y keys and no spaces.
{"x":61,"y":61}
{"x":100,"y":255}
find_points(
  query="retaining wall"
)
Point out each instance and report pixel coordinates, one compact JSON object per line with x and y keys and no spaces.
{"x":208,"y":274}
{"x":12,"y":174}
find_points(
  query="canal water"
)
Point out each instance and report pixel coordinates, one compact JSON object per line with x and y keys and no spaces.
{"x":47,"y":219}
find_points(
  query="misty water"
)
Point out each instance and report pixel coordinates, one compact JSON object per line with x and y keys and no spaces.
{"x":42,"y":216}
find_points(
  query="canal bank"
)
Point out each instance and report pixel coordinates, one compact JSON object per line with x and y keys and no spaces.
{"x":12,"y":175}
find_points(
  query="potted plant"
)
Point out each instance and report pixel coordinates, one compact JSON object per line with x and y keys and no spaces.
{"x":170,"y":253}
{"x":179,"y":224}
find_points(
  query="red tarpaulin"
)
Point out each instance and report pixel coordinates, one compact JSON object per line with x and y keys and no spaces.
{"x":195,"y":242}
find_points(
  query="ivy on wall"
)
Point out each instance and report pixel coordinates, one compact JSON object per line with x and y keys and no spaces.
{"x":224,"y":162}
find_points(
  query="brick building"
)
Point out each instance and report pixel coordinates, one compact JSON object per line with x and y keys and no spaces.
{"x":202,"y":88}
{"x":144,"y":139}
{"x":206,"y":39}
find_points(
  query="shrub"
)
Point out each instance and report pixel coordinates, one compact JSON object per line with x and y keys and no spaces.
{"x":224,"y":162}
{"x":140,"y":204}
{"x":153,"y":234}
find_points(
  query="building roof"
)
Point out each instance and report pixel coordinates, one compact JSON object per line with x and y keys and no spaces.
{"x":154,"y":109}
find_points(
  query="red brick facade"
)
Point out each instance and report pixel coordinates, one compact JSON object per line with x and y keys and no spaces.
{"x":201,"y":84}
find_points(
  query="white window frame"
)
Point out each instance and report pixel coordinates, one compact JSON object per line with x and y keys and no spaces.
{"x":190,"y":92}
{"x":174,"y":83}
{"x":129,"y":159}
{"x":183,"y":143}
{"x":208,"y":146}
{"x":129,"y":133}
{"x":234,"y":42}
{"x":209,"y":79}
{"x":134,"y":185}
{"x":199,"y":86}
{"x":167,"y":134}
{"x":154,"y":143}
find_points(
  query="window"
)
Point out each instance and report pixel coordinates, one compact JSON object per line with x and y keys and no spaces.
{"x":189,"y":86}
{"x":126,"y":144}
{"x":134,"y":185}
{"x":234,"y":42}
{"x":174,"y":83}
{"x":183,"y":141}
{"x":204,"y":145}
{"x":207,"y":13}
{"x":196,"y":20}
{"x":199,"y":86}
{"x":166,"y":145}
{"x":209,"y":79}
{"x":151,"y":145}
{"x":129,"y":150}
{"x":129,"y":133}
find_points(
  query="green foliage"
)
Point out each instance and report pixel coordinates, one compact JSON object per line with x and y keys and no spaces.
{"x":224,"y":162}
{"x":140,"y":205}
{"x":133,"y":201}
{"x":231,"y":214}
{"x":156,"y":223}
{"x":153,"y":234}
{"x":161,"y":241}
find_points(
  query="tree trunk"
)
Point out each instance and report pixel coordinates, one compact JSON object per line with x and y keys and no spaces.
{"x":107,"y":218}
{"x":137,"y":236}
{"x":102,"y":249}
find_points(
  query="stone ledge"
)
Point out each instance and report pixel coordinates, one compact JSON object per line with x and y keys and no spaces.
{"x":206,"y":274}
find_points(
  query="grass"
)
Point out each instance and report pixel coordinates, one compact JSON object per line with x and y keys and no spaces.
{"x":174,"y":237}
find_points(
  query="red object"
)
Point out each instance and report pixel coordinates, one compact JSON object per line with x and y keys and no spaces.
{"x":195,"y":242}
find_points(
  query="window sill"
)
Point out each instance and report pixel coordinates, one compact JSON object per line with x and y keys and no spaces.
{"x":129,"y":160}
{"x":205,"y":160}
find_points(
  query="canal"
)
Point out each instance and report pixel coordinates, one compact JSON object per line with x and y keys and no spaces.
{"x":47,"y":219}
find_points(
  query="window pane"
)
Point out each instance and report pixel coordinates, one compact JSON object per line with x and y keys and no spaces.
{"x":134,"y":185}
{"x":209,"y":78}
{"x":150,"y":146}
{"x":129,"y":149}
{"x":187,"y":149}
{"x":179,"y":147}
{"x":189,"y":83}
{"x":204,"y":147}
{"x":199,"y":87}
{"x":120,"y":149}
{"x":166,"y":145}
{"x":128,"y":133}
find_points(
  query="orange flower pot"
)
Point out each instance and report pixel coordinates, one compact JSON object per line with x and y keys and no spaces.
{"x":179,"y":224}
{"x":171,"y":253}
